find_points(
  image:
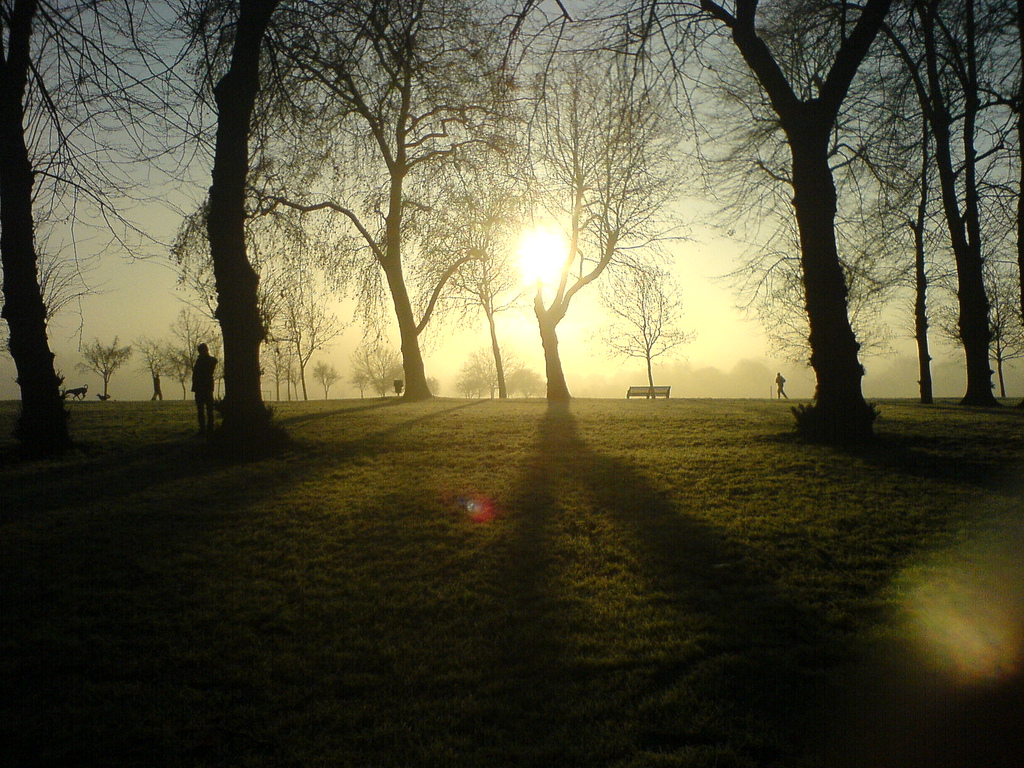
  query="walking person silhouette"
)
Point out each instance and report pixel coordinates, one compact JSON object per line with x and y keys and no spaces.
{"x":780,"y":386}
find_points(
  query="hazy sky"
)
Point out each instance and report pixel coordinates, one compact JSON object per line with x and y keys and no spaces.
{"x":729,"y":356}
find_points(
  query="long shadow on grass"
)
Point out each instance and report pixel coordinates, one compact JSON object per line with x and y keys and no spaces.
{"x":304,"y":418}
{"x":44,"y":487}
{"x":982,"y":457}
{"x":374,"y":443}
{"x":716,"y":673}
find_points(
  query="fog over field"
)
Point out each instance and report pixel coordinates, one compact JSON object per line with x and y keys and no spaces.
{"x":728,"y":357}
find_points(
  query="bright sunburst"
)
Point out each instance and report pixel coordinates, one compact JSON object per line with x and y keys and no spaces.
{"x":542,"y":253}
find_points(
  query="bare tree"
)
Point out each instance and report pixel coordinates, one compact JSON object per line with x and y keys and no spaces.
{"x":73,"y":74}
{"x":525,"y":382}
{"x":805,"y":63}
{"x":42,"y":425}
{"x":156,"y":357}
{"x":938,"y":43}
{"x":280,"y":366}
{"x":1005,"y":321}
{"x":645,"y":308}
{"x":326,"y":375}
{"x":410,"y":86}
{"x":477,"y":376}
{"x":188,"y":330}
{"x":376,"y":365}
{"x":483,"y":218}
{"x":602,"y":159}
{"x":104,"y":360}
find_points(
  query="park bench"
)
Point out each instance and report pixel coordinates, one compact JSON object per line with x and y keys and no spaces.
{"x":646,"y":391}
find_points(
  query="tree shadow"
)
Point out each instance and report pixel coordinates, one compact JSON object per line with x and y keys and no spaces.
{"x":745,"y":651}
{"x":983,"y":460}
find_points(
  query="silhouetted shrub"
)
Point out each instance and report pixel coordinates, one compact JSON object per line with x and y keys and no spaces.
{"x":834,"y":426}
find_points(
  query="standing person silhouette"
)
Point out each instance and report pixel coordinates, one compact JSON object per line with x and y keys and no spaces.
{"x":780,"y":384}
{"x":202,"y":385}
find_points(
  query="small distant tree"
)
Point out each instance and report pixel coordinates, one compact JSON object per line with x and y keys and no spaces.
{"x":360,"y":380}
{"x":377,"y":366}
{"x":188,"y":330}
{"x":305,"y":324}
{"x":179,"y":367}
{"x":326,"y":375}
{"x":104,"y":360}
{"x":156,"y":360}
{"x":644,"y":309}
{"x":280,"y":366}
{"x":478,"y":376}
{"x":525,"y":382}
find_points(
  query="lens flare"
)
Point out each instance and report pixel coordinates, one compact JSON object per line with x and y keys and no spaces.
{"x":477,"y":507}
{"x":968,"y":614}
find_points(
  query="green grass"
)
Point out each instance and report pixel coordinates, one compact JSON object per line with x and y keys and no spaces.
{"x":671,"y":583}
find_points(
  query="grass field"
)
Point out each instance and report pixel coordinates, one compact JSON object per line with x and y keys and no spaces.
{"x":462,"y":583}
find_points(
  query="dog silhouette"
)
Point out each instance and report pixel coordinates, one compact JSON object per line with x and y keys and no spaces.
{"x":78,"y":393}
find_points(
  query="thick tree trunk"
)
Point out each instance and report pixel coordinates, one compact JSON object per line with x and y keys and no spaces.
{"x":499,"y":365}
{"x":557,"y":390}
{"x":840,"y":413}
{"x":245,"y":416}
{"x":42,"y":426}
{"x":416,"y":387}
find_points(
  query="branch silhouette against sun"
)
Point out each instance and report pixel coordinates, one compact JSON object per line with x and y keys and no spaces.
{"x":393,"y":93}
{"x":603,"y":175}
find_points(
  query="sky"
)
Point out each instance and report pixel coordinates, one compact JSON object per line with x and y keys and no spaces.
{"x":728,"y":357}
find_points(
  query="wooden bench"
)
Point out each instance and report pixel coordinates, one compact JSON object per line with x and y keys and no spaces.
{"x":648,"y":392}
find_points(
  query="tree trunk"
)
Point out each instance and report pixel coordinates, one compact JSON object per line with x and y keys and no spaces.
{"x":840,"y":413}
{"x":1020,"y":165}
{"x":650,"y":375}
{"x":924,"y":358}
{"x":244,"y":413}
{"x":302,"y":371}
{"x":416,"y":387}
{"x":557,"y":391}
{"x":42,"y":426}
{"x":499,"y":366}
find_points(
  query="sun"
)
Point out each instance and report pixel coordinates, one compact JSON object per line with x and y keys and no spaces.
{"x":542,"y":252}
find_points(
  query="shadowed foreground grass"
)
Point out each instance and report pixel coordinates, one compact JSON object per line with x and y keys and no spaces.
{"x":673,"y":583}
